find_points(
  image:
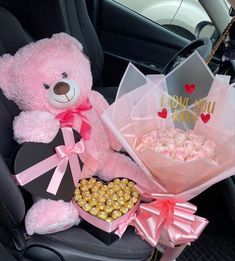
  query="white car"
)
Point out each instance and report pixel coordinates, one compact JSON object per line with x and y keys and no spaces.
{"x":181,"y":16}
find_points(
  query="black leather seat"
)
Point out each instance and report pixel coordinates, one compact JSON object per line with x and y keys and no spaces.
{"x":5,"y":255}
{"x":74,"y":243}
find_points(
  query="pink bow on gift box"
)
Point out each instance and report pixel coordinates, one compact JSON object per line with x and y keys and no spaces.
{"x":67,"y":118}
{"x":167,"y":221}
{"x":123,"y":226}
{"x":67,"y":155}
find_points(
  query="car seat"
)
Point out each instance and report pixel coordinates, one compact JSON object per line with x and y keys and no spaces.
{"x":72,"y":244}
{"x":5,"y":255}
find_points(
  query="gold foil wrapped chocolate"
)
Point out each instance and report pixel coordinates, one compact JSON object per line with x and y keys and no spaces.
{"x":116,"y":205}
{"x":81,"y":202}
{"x":77,"y":191}
{"x":124,"y":210}
{"x":116,"y":181}
{"x":87,"y":207}
{"x":109,"y":219}
{"x":94,"y":211}
{"x":106,"y":201}
{"x":84,"y":182}
{"x":129,"y":205}
{"x":125,"y":181}
{"x":95,"y":188}
{"x":84,"y":188}
{"x":102,"y":214}
{"x":116,"y":214}
{"x":131,"y":184}
{"x":77,"y":197}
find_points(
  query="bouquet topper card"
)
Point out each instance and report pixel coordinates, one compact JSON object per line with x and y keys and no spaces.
{"x":189,"y":98}
{"x":188,"y":85}
{"x":192,"y":79}
{"x":182,"y":97}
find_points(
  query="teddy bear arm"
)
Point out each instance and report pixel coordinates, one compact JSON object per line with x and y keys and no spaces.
{"x":100,"y":105}
{"x":35,"y":126}
{"x":119,"y":165}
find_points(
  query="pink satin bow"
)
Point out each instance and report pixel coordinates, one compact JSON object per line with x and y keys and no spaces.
{"x":67,"y":118}
{"x":169,"y":222}
{"x":66,"y":154}
{"x":64,"y":151}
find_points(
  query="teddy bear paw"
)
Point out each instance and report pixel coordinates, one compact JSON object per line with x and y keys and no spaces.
{"x":50,"y":216}
{"x":35,"y":126}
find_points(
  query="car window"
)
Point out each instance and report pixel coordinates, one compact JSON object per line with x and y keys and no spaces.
{"x":181,"y":16}
{"x":227,"y":3}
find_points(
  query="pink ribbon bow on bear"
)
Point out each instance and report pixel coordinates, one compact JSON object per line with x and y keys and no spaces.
{"x":67,"y":118}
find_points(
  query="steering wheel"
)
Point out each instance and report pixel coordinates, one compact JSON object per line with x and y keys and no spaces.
{"x":227,"y":67}
{"x":202,"y":45}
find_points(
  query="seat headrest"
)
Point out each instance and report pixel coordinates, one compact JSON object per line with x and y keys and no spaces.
{"x":12,"y":35}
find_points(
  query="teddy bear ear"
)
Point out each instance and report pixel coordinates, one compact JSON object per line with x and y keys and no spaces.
{"x":63,"y":37}
{"x":6,"y":62}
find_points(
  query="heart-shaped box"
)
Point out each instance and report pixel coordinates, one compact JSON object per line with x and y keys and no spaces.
{"x":35,"y":165}
{"x":101,"y":229}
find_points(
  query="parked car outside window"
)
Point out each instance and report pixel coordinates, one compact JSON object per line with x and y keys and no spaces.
{"x":180,"y":16}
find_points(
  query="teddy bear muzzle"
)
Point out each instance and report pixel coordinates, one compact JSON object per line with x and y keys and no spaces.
{"x":63,"y":93}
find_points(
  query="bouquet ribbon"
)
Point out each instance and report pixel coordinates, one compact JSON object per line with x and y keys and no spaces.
{"x":165,"y":219}
{"x":67,"y":118}
{"x":64,"y":155}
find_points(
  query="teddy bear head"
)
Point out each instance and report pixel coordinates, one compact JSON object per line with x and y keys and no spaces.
{"x":48,"y":75}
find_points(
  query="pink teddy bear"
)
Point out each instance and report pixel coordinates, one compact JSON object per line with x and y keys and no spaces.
{"x":46,"y":79}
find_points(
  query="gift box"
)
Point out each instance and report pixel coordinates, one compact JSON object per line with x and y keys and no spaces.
{"x":105,"y":237}
{"x":50,"y":170}
{"x":107,"y":228}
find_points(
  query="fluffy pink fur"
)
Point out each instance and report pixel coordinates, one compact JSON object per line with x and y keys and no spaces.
{"x":35,"y":120}
{"x":22,"y":78}
{"x":49,"y":216}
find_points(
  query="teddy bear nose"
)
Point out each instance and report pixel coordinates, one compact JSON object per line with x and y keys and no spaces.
{"x":61,"y":88}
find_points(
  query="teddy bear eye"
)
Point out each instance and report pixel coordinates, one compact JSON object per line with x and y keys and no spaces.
{"x":64,"y":75}
{"x":46,"y":86}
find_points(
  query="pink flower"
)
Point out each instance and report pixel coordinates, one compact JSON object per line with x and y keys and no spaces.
{"x":180,"y":139}
{"x":178,"y":144}
{"x":165,"y":152}
{"x":172,"y":132}
{"x":201,"y":153}
{"x":180,"y":153}
{"x":150,"y":137}
{"x":210,"y":148}
{"x":197,"y":139}
{"x":189,"y":147}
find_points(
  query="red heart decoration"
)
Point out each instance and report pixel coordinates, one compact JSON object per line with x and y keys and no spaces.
{"x":190,"y":88}
{"x":205,"y":117}
{"x":163,"y":113}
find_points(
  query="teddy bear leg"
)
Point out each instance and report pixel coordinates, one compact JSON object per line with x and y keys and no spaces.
{"x":119,"y":165}
{"x":50,"y":216}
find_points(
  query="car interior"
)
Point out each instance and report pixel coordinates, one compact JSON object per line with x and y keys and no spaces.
{"x":111,"y":37}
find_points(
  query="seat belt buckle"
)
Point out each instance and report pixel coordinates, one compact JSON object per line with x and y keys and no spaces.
{"x":19,"y":239}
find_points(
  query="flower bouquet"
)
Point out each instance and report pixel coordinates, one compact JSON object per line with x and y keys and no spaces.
{"x":180,"y":130}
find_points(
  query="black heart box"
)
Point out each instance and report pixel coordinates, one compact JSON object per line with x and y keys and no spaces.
{"x":50,"y":170}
